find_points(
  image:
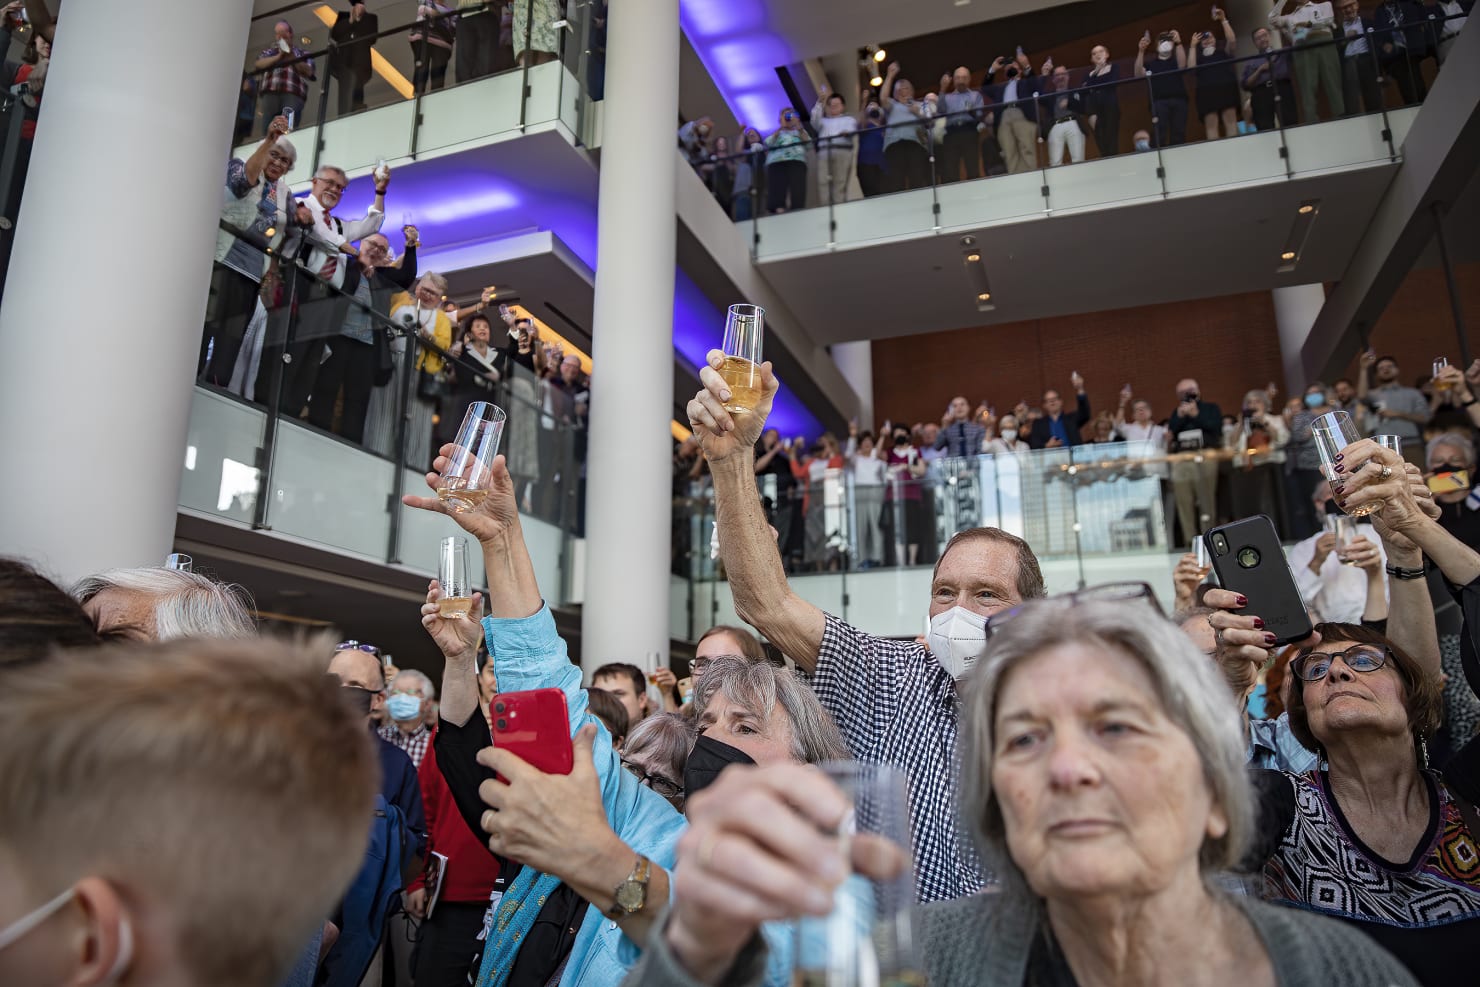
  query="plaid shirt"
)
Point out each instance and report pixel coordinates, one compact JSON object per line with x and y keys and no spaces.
{"x":896,"y":705}
{"x":284,"y":77}
{"x":414,"y":743}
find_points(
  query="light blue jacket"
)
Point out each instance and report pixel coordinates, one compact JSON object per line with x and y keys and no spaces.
{"x":529,"y":654}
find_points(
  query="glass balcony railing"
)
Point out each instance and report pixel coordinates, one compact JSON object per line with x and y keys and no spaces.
{"x":324,"y":394}
{"x":865,"y":551}
{"x":1090,"y":143}
{"x":449,"y":76}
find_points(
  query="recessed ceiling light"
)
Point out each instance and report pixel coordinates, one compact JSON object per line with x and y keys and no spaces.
{"x":1307,"y":209}
{"x":973,"y":257}
{"x":985,"y":296}
{"x":1288,"y":255}
{"x":879,"y":55}
{"x":876,"y":81}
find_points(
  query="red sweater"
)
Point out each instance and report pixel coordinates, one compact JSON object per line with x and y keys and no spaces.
{"x":471,"y":866}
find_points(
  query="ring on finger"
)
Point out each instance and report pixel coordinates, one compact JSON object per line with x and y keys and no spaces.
{"x":1385,"y":473}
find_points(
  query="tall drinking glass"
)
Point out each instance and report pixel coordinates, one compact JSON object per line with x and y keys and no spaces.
{"x":1333,"y":432}
{"x":745,"y":327}
{"x":1344,"y":528}
{"x":464,"y":483}
{"x":1392,"y":442}
{"x":452,"y":573}
{"x":1440,"y":365}
{"x":869,"y":937}
{"x":180,"y":562}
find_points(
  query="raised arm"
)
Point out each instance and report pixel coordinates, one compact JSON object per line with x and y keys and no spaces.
{"x":1230,"y":36}
{"x":1141,"y":47}
{"x":763,"y":598}
{"x":258,"y":160}
{"x":886,"y":94}
{"x":1180,"y":50}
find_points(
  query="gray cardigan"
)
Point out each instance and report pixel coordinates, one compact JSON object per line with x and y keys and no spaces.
{"x":970,"y":942}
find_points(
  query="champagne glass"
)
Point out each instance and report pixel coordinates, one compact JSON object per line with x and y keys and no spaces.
{"x":869,"y":936}
{"x":1333,"y":432}
{"x":744,"y":329}
{"x":1392,"y":442}
{"x":179,"y":562}
{"x":1440,"y":365}
{"x":1344,"y":528}
{"x":452,"y":573}
{"x":464,"y":483}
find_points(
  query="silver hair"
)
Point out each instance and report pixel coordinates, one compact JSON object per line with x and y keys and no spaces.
{"x":666,"y":737}
{"x":1456,"y":440}
{"x":187,"y":604}
{"x":1191,"y":692}
{"x":761,"y":687}
{"x":1257,"y":395}
{"x":334,"y":168}
{"x":286,"y":146}
{"x":425,"y":686}
{"x":437,"y":281}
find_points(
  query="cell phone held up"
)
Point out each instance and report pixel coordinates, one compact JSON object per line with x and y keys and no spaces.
{"x":1449,"y":482}
{"x":535,"y":725}
{"x":1249,"y":560}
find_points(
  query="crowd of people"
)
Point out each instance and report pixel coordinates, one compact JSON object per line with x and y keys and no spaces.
{"x":316,"y":314}
{"x":871,"y":500}
{"x":1092,"y":785}
{"x":477,"y":38}
{"x":1011,"y":118}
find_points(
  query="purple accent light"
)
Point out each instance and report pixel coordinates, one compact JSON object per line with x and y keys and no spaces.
{"x":734,"y":41}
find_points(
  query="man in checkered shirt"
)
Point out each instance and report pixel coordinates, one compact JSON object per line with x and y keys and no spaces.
{"x":408,"y":707}
{"x":286,"y":72}
{"x":895,"y":701}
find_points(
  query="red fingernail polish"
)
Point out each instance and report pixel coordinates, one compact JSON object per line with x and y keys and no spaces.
{"x":1339,"y":468}
{"x":1259,"y":623}
{"x":1270,"y":639}
{"x":1339,"y":457}
{"x":1243,"y":601}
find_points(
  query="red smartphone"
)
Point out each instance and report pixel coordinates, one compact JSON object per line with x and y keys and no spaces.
{"x":536,"y":726}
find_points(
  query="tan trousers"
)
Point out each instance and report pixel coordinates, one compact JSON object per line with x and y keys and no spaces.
{"x":1019,"y":139}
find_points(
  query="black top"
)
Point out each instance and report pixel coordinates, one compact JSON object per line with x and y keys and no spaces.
{"x":1100,"y":93}
{"x":549,"y":940}
{"x":1166,"y":77}
{"x":1461,"y":522}
{"x":1209,"y":419}
{"x":1215,"y":70}
{"x":1058,"y":105}
{"x":354,"y":40}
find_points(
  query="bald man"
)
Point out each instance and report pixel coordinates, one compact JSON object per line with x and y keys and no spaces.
{"x":962,"y":106}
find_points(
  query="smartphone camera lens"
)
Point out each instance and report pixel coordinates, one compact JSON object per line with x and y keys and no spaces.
{"x":498,"y":707}
{"x":1220,"y":544}
{"x":502,"y":723}
{"x":1248,"y":557}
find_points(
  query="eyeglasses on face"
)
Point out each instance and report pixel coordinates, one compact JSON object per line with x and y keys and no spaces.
{"x":663,"y":786}
{"x":1364,"y":658}
{"x":1104,"y":593}
{"x":357,"y":646}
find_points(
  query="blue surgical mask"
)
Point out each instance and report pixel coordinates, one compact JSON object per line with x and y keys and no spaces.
{"x":403,"y":707}
{"x":1143,"y":145}
{"x":1314,"y":400}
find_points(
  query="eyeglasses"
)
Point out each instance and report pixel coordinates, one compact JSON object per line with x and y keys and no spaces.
{"x":1104,"y":593}
{"x":1364,"y":658}
{"x":337,"y":186}
{"x":697,"y":665}
{"x":357,"y":646}
{"x":663,"y":786}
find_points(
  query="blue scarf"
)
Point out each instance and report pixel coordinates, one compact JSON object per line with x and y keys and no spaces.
{"x":517,"y":911}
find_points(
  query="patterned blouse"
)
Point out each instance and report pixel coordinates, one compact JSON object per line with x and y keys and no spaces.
{"x":1425,"y":910}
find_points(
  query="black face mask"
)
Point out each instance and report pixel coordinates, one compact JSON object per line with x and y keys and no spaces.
{"x":359,"y":699}
{"x":1011,"y":73}
{"x":901,"y":440}
{"x":708,"y":758}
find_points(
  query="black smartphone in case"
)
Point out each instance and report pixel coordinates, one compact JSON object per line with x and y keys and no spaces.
{"x":1249,"y":560}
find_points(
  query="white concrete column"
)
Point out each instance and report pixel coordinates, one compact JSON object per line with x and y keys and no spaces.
{"x":629,"y":460}
{"x":1295,"y":311}
{"x":856,"y":361}
{"x":106,"y":293}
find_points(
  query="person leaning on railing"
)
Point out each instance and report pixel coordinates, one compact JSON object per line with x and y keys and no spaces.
{"x":835,"y":133}
{"x":287,"y":71}
{"x":1268,"y":82}
{"x":904,"y":141}
{"x":1311,"y":28}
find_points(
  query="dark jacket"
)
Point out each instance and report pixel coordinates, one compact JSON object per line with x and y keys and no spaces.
{"x":1054,"y":104}
{"x":1039,"y":435}
{"x":354,"y":40}
{"x":1405,"y":19}
{"x":1028,"y":90}
{"x":1209,"y":419}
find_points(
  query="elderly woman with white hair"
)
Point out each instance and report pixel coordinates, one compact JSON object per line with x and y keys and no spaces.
{"x":1104,"y":783}
{"x":418,"y":312}
{"x":158,"y":604}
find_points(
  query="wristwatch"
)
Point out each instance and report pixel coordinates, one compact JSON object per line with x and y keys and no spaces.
{"x":630,"y":897}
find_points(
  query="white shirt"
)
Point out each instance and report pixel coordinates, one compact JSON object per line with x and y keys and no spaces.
{"x":1339,"y":593}
{"x":839,"y":127}
{"x":328,"y":237}
{"x":1145,"y":442}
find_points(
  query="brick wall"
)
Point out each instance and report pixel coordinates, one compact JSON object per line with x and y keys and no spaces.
{"x":1229,"y":344}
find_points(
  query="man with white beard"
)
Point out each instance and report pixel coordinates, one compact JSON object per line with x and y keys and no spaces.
{"x":895,"y":701}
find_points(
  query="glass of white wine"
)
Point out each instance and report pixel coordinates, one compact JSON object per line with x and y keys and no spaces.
{"x":452,"y":573}
{"x":745,"y":328}
{"x":1344,"y":528}
{"x":869,"y":938}
{"x":464,"y":483}
{"x":1333,"y":432}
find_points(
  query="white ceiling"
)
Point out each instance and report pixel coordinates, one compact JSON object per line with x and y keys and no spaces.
{"x":1191,"y":247}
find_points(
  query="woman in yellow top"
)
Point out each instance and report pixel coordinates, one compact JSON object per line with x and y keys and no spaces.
{"x":419,"y":310}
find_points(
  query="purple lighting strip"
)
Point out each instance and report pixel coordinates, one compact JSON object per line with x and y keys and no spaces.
{"x":733,"y":40}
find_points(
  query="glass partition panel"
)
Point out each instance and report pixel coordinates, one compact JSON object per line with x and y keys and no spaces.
{"x":223,"y":447}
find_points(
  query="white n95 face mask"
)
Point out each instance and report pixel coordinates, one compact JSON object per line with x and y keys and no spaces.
{"x":957,"y":639}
